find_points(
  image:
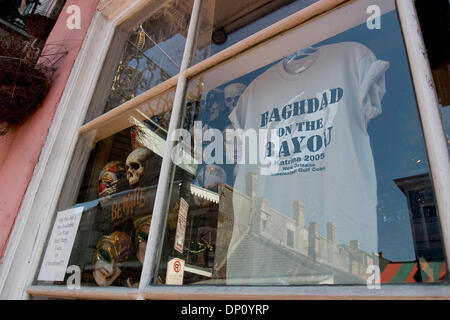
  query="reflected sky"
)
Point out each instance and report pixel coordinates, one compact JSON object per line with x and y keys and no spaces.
{"x":396,"y":135}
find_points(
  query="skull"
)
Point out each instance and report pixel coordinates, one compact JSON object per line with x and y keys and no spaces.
{"x":135,"y":165}
{"x":232,"y":92}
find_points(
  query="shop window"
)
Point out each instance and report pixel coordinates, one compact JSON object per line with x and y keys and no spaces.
{"x":110,"y":189}
{"x":313,"y":147}
{"x":116,"y":196}
{"x":299,"y":161}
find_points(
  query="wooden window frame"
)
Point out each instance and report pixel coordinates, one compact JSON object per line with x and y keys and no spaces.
{"x":27,"y":242}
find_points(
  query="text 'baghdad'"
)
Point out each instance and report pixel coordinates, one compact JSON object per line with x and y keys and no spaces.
{"x":312,"y":134}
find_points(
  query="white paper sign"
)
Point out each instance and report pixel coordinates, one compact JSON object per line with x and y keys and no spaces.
{"x":175,"y":271}
{"x":60,"y":245}
{"x":181,"y":226}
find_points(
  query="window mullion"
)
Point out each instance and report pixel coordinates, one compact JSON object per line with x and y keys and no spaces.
{"x":428,"y":106}
{"x":157,"y":228}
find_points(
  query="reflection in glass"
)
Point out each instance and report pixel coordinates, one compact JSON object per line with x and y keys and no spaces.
{"x":117,"y":192}
{"x":327,"y":179}
{"x":152,"y":53}
{"x":121,"y":218}
{"x":226,"y":22}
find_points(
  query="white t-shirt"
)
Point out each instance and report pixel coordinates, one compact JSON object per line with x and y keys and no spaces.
{"x":323,"y":157}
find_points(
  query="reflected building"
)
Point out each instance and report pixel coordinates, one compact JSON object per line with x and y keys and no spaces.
{"x":423,"y":216}
{"x":429,"y":265}
{"x":299,"y":253}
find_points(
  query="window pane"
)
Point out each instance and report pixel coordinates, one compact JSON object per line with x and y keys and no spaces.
{"x":312,"y":166}
{"x":152,"y":52}
{"x":226,"y":22}
{"x":113,"y":178}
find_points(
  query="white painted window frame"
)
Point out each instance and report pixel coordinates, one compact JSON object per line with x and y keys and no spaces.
{"x":27,"y":242}
{"x":32,"y":224}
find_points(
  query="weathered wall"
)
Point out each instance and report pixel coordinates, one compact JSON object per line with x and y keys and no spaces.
{"x":20,"y":148}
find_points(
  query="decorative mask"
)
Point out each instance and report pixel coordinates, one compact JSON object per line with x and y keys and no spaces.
{"x":142,"y":226}
{"x":108,"y":178}
{"x":232,"y":92}
{"x":111,"y":249}
{"x":135,"y":165}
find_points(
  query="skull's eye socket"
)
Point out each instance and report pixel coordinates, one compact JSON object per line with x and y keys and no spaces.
{"x":229,"y":99}
{"x":134,"y":166}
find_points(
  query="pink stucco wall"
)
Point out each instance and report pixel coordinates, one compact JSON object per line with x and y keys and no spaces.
{"x":20,"y":148}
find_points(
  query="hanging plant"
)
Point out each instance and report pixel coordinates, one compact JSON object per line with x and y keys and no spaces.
{"x":23,"y":82}
{"x":38,"y":26}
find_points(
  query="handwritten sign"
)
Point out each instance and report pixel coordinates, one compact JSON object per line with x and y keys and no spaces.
{"x":175,"y":271}
{"x":181,"y":226}
{"x":60,"y":245}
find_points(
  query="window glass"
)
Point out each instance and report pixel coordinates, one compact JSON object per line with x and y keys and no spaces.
{"x":152,"y":52}
{"x":226,"y":22}
{"x":120,"y":162}
{"x":312,"y":166}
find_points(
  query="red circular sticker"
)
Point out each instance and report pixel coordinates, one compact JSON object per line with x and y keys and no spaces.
{"x":177,"y":266}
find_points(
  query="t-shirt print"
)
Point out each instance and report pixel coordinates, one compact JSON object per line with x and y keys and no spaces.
{"x":318,"y":150}
{"x":299,"y":132}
